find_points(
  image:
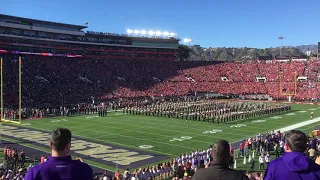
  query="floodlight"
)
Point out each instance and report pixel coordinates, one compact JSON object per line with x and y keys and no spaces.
{"x":151,"y":33}
{"x":165,"y":33}
{"x":129,"y":31}
{"x":136,"y":31}
{"x":143,"y":32}
{"x":172,"y":34}
{"x":187,"y":40}
{"x":158,"y":33}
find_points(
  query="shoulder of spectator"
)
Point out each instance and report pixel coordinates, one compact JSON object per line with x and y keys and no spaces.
{"x":33,"y":172}
{"x":239,"y":173}
{"x":194,"y":177}
{"x":277,"y":160}
{"x":82,"y":165}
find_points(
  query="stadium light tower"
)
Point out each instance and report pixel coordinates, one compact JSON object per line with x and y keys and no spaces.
{"x":281,"y":38}
{"x":151,"y":33}
{"x":308,"y":53}
{"x":187,"y":41}
{"x":172,"y":34}
{"x":158,"y":33}
{"x":143,"y":32}
{"x":164,"y":34}
{"x":136,"y":32}
{"x":129,"y":31}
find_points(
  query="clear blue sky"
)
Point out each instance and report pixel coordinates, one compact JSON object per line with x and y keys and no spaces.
{"x":229,"y":23}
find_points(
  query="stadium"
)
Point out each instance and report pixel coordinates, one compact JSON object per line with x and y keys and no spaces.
{"x":132,"y":103}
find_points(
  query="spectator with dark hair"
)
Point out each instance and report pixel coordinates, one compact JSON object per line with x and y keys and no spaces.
{"x":294,"y":164}
{"x":219,"y":168}
{"x":60,"y":165}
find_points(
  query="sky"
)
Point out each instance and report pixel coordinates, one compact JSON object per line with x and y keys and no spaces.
{"x":210,"y":23}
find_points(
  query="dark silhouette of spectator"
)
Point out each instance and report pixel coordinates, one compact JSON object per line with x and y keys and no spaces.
{"x":251,"y":165}
{"x":219,"y":168}
{"x":294,"y":164}
{"x":60,"y":165}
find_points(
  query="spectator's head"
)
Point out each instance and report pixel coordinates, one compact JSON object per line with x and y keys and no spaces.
{"x":220,"y":152}
{"x":258,"y":175}
{"x":248,"y":173}
{"x":296,"y":141}
{"x":60,"y":142}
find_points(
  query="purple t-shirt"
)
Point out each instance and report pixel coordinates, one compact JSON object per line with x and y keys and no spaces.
{"x":293,"y":166}
{"x":63,"y":168}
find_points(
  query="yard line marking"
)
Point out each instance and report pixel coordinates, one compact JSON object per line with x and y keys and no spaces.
{"x":130,"y":136}
{"x":178,"y":127}
{"x":103,"y":132}
{"x":130,"y":130}
{"x":181,"y":127}
{"x":148,"y":127}
{"x":189,"y":128}
{"x":101,"y":140}
{"x":295,"y":126}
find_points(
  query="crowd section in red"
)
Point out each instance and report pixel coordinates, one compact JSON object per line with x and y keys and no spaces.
{"x":67,"y":80}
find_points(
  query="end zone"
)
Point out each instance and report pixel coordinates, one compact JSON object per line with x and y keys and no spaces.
{"x":102,"y":153}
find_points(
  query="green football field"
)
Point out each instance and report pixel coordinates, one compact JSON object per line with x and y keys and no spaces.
{"x":172,"y":137}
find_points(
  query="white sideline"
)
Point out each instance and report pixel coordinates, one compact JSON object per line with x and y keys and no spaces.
{"x":298,"y":125}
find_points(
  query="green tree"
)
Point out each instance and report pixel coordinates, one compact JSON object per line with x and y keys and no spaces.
{"x":183,"y":52}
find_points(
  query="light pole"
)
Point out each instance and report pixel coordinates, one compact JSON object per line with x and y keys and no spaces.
{"x":308,"y":53}
{"x":281,"y":38}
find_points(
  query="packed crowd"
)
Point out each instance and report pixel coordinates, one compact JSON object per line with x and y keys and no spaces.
{"x":63,"y":111}
{"x":14,"y":167}
{"x":206,"y":110}
{"x":45,"y":82}
{"x":216,"y":162}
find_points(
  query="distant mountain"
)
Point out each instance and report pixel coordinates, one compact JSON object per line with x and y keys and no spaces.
{"x":304,"y":48}
{"x":197,"y":52}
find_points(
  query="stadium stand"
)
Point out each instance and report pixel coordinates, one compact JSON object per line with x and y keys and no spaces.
{"x":63,"y":66}
{"x":111,"y":79}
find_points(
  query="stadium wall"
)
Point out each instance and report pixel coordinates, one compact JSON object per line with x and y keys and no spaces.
{"x":158,"y":44}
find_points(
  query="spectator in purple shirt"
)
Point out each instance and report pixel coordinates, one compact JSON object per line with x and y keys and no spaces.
{"x":60,"y":165}
{"x":294,"y":164}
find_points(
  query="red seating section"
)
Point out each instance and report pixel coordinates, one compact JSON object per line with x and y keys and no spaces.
{"x":67,"y":80}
